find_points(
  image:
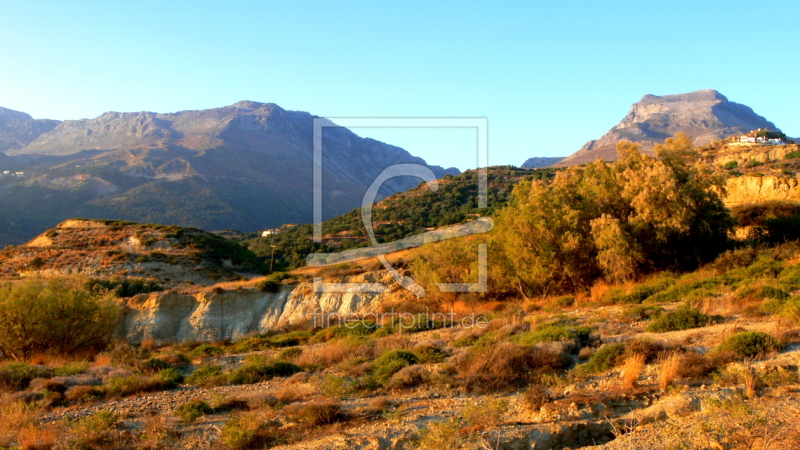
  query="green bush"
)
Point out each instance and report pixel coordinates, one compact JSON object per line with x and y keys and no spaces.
{"x":154,"y":365}
{"x":205,"y":374}
{"x":730,"y":165}
{"x":390,"y":362}
{"x":71,"y":368}
{"x":170,"y":378}
{"x":565,"y":301}
{"x":793,"y":155}
{"x":193,"y":410}
{"x":206,"y":351}
{"x":430,"y":354}
{"x":258,"y":371}
{"x":774,"y":293}
{"x":134,"y":384}
{"x":791,"y":310}
{"x":268,"y":286}
{"x":605,"y":358}
{"x":749,"y":344}
{"x":16,"y":376}
{"x":290,"y":353}
{"x":54,"y":316}
{"x":556,"y":332}
{"x":360,"y":328}
{"x":682,"y":319}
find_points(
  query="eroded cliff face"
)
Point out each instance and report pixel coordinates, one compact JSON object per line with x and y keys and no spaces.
{"x":209,"y":316}
{"x":750,"y":189}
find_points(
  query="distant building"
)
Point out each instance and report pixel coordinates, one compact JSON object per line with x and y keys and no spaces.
{"x":270,"y":232}
{"x":761,"y":140}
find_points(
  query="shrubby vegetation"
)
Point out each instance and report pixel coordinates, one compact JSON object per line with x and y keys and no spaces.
{"x":58,"y":315}
{"x":614,"y":221}
{"x":399,"y":216}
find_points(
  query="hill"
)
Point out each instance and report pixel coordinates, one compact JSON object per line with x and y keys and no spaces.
{"x":398,"y":216}
{"x":116,"y":250}
{"x":246,"y":166}
{"x":706,"y":116}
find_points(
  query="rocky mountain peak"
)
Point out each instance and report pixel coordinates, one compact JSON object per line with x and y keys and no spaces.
{"x":704,"y":115}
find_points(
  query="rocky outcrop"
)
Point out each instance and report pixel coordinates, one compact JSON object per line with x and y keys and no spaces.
{"x":752,"y":189}
{"x":213,"y":316}
{"x":706,"y":116}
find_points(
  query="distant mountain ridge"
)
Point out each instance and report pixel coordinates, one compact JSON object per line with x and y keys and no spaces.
{"x":18,"y":129}
{"x":541,"y":161}
{"x":704,"y":115}
{"x":245,"y":166}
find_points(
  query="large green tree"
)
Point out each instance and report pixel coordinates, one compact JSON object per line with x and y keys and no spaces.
{"x":58,"y":315}
{"x":615,"y":220}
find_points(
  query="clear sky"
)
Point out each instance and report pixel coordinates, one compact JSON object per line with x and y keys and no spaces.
{"x":549,"y":76}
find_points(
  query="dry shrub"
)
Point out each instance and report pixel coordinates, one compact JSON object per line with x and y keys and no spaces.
{"x":536,"y":396}
{"x":378,"y":405}
{"x":750,"y":382}
{"x":651,"y":350}
{"x":598,"y":291}
{"x":299,"y":378}
{"x":441,"y":435}
{"x":484,"y":415}
{"x":409,"y":376}
{"x":103,"y":359}
{"x":505,"y":365}
{"x":632,"y":369}
{"x":697,"y":365}
{"x":157,"y":433}
{"x":586,"y":353}
{"x":393,"y":342}
{"x":315,"y":413}
{"x":148,"y":343}
{"x":335,"y":352}
{"x":14,"y":417}
{"x":84,"y":394}
{"x":670,"y":369}
{"x":33,"y":437}
{"x":260,"y":400}
{"x":44,"y":384}
{"x":294,"y":394}
{"x":256,"y":429}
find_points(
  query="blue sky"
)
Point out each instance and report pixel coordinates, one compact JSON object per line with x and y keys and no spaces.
{"x":549,"y":76}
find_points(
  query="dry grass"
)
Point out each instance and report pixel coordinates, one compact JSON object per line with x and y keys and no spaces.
{"x":33,"y":437}
{"x":102,"y":359}
{"x":631,"y":370}
{"x":15,"y":417}
{"x":750,"y":381}
{"x":334,"y":352}
{"x":669,"y":370}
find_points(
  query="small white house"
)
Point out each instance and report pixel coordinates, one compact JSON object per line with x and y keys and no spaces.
{"x":747,"y":139}
{"x":270,"y":232}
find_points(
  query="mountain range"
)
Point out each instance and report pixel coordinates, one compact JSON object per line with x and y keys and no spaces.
{"x":705,"y":115}
{"x":246,"y":166}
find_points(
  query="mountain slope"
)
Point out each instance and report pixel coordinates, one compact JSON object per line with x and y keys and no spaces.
{"x":18,"y":129}
{"x":706,"y":116}
{"x":246,"y":166}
